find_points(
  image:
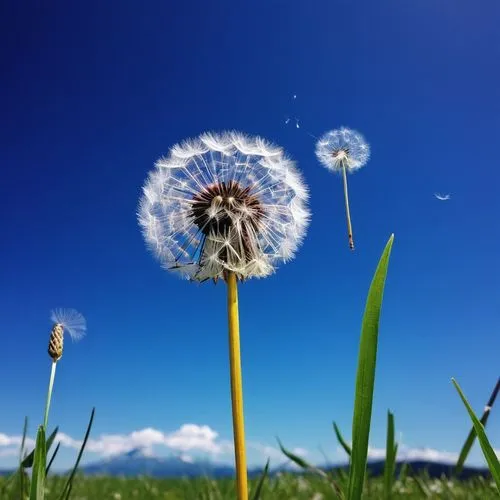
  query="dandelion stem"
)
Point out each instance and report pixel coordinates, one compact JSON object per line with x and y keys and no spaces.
{"x":49,"y":394}
{"x":236,"y":387}
{"x":348,"y":213}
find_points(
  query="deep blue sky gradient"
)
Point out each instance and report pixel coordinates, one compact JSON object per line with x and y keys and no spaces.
{"x":94,"y":92}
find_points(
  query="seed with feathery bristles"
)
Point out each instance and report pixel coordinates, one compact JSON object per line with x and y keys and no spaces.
{"x":65,"y":320}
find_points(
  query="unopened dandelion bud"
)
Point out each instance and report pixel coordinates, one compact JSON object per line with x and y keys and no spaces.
{"x":56,"y":342}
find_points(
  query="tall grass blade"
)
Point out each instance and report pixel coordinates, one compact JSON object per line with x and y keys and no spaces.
{"x":365,"y":378}
{"x":20,"y":471}
{"x":37,"y":491}
{"x":28,"y":460}
{"x":341,"y":440}
{"x":69,"y":484}
{"x":488,"y":452}
{"x":52,"y":459}
{"x":403,"y":472}
{"x":21,"y":455}
{"x":258,"y":489}
{"x":472,"y":434}
{"x":390,"y":457}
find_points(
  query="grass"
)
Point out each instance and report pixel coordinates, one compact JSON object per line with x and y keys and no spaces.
{"x":283,"y":487}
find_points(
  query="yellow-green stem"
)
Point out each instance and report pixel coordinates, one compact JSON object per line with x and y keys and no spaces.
{"x":236,"y":388}
{"x":49,"y":395}
{"x":348,"y":213}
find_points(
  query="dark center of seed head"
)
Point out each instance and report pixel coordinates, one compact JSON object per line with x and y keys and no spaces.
{"x":227,"y":201}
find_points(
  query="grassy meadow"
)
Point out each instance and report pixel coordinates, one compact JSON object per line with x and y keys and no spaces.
{"x":280,"y":487}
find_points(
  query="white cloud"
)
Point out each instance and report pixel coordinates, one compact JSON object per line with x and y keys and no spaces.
{"x":301,"y":452}
{"x":188,"y":438}
{"x":406,"y":454}
{"x":426,"y":454}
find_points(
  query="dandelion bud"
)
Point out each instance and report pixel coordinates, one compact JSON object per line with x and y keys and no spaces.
{"x":56,"y":342}
{"x":64,"y":320}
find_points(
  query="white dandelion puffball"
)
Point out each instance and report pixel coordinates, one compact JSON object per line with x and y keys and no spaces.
{"x":342,"y":147}
{"x":224,"y":202}
{"x":71,"y":321}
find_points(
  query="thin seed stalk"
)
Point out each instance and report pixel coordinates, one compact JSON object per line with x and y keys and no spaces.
{"x":348,"y":213}
{"x":49,"y":394}
{"x":236,"y":388}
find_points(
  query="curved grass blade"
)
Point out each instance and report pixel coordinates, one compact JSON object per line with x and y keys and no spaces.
{"x":28,"y":460}
{"x":365,"y":378}
{"x":300,"y":461}
{"x":37,"y":491}
{"x":390,"y":457}
{"x":69,"y":484}
{"x":258,"y":490}
{"x":311,"y":468}
{"x":472,"y":434}
{"x":52,"y":459}
{"x":488,"y":452}
{"x":341,"y":440}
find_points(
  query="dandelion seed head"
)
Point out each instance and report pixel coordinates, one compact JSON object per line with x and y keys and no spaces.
{"x":340,"y":147}
{"x":71,"y":321}
{"x":224,"y":202}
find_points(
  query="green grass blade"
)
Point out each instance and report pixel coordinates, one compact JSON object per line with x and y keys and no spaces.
{"x":37,"y":491}
{"x":488,"y":452}
{"x":403,"y":472}
{"x":311,"y":468}
{"x":69,"y":484}
{"x":390,"y":457}
{"x":52,"y":459}
{"x":299,"y":460}
{"x":21,"y":454}
{"x":28,"y":460}
{"x":365,"y":378}
{"x":258,"y":490}
{"x":426,"y":493}
{"x":341,"y":440}
{"x":472,"y":434}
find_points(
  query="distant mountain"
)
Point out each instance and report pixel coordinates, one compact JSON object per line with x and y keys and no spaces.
{"x":136,"y":462}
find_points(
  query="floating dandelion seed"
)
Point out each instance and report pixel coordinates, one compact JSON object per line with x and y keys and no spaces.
{"x":442,"y":197}
{"x":225,"y":206}
{"x":343,"y":150}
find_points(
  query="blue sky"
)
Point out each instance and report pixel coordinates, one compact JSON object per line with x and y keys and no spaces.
{"x":94,"y":93}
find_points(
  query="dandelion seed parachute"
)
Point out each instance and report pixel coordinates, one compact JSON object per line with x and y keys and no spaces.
{"x":342,"y":147}
{"x":71,"y":320}
{"x":224,"y":203}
